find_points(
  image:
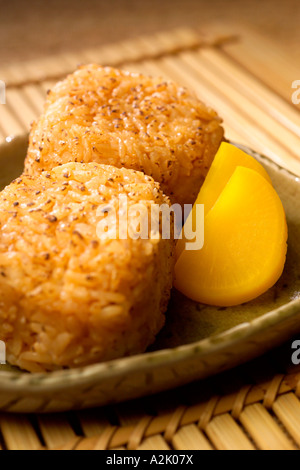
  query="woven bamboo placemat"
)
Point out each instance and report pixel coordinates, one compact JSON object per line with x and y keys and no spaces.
{"x":249,"y":82}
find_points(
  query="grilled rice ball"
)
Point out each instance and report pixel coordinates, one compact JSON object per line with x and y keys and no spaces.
{"x":68,"y":297}
{"x":104,"y":115}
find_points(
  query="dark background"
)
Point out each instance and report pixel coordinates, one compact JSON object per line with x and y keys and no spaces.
{"x":34,"y":28}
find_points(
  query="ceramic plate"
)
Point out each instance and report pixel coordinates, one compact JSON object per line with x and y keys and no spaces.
{"x":196,"y":342}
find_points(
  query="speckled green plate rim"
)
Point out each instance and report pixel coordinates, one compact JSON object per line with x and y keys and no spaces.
{"x":60,"y":380}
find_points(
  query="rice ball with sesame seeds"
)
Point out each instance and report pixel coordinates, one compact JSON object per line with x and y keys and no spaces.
{"x":70,"y":297}
{"x":127,"y":120}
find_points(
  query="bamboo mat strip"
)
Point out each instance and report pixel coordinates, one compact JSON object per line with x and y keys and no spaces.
{"x":190,"y":438}
{"x":155,"y":442}
{"x":35,"y":96}
{"x":258,"y":56}
{"x":18,"y":433}
{"x":20,"y":108}
{"x":234,"y":438}
{"x":263,"y":58}
{"x":9,"y":124}
{"x":55,"y":430}
{"x":250,"y":86}
{"x":93,"y":423}
{"x":287,"y":409}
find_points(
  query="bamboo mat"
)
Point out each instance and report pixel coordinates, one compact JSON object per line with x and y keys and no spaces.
{"x":248,"y":81}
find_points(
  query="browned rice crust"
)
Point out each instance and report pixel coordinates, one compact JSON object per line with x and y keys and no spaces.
{"x":127,"y":120}
{"x":67,"y":298}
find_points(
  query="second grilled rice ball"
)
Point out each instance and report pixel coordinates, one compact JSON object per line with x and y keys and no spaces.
{"x":127,"y":120}
{"x":68,"y":298}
